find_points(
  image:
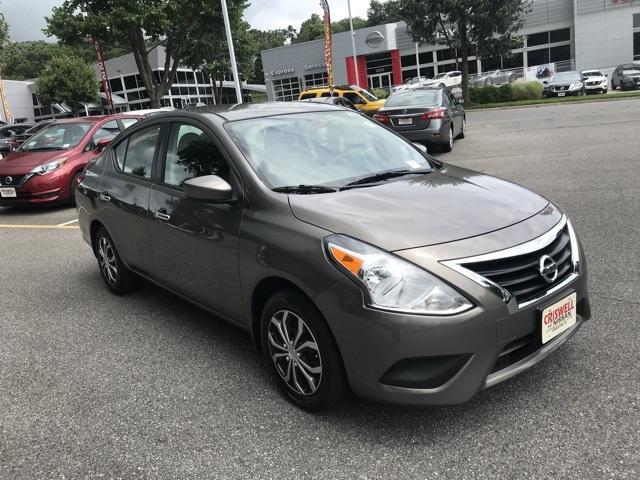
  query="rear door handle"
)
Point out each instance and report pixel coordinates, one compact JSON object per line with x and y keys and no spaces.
{"x":162,"y":215}
{"x":104,"y":196}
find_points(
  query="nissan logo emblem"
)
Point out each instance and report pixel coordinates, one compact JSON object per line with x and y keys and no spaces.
{"x":8,"y":180}
{"x":548,"y":268}
{"x":374,"y":39}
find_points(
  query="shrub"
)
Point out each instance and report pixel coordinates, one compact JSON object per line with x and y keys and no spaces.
{"x":381,"y":93}
{"x":506,"y":93}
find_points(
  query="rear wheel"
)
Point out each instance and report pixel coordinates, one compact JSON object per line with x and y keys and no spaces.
{"x":301,"y":352}
{"x":117,"y":277}
{"x":448,"y":145}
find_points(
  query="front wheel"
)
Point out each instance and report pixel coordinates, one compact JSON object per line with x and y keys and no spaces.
{"x":301,"y":352}
{"x":117,"y":277}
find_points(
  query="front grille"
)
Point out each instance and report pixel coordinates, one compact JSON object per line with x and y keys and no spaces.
{"x":592,"y":83}
{"x":520,"y":275}
{"x":561,"y":88}
{"x":10,"y":180}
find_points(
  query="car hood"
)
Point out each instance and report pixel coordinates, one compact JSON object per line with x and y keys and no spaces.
{"x":31,"y":159}
{"x":439,"y":207}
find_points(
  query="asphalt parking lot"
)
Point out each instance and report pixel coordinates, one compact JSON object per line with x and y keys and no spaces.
{"x":147,"y":386}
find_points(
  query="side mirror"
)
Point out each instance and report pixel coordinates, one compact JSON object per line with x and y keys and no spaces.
{"x":606,"y":75}
{"x":545,"y":82}
{"x":209,"y":188}
{"x":420,"y":147}
{"x":102,"y":144}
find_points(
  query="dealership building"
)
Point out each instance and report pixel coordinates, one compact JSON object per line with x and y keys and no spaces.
{"x":578,"y":34}
{"x":128,"y":92}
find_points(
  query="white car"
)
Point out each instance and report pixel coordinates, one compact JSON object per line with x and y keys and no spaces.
{"x":448,"y":79}
{"x":411,"y":84}
{"x":595,"y":81}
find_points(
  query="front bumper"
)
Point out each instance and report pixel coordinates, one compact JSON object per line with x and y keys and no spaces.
{"x":563,"y":93}
{"x":51,"y":188}
{"x":466,"y":352}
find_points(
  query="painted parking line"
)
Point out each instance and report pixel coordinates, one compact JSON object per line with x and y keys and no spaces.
{"x":67,"y":223}
{"x":40,"y":227}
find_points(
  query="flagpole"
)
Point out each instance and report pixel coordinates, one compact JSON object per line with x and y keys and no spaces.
{"x":232,"y":55}
{"x":353,"y":43}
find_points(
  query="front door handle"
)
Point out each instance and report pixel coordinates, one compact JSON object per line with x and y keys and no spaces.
{"x":162,"y":215}
{"x":105,"y":197}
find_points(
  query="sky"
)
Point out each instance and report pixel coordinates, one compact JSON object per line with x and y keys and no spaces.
{"x":26,"y":17}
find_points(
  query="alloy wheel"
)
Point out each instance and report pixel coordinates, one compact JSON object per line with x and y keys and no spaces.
{"x":107,"y":261}
{"x":294,"y":352}
{"x":451,"y":138}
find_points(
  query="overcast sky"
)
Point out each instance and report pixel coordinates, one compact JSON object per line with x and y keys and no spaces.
{"x":26,"y":17}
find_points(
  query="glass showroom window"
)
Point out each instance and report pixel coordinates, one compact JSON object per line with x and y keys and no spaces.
{"x":636,"y":36}
{"x":286,"y":89}
{"x":316,"y":80}
{"x":549,"y":47}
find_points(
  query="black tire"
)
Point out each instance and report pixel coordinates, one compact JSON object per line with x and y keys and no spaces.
{"x":117,"y":277}
{"x":448,"y":145}
{"x":461,"y":134}
{"x":328,"y":386}
{"x":73,"y":188}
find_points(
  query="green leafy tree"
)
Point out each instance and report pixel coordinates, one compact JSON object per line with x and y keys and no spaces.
{"x":343,"y":25}
{"x":380,"y":12}
{"x":67,"y":79}
{"x":178,"y":24}
{"x":486,"y":26}
{"x":25,"y":60}
{"x":310,"y":29}
{"x":4,"y":30}
{"x":264,"y":40}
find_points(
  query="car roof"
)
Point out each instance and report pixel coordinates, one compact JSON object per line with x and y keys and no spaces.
{"x":243,"y":111}
{"x":94,"y":119}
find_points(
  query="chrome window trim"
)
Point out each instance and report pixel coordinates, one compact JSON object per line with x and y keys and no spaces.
{"x":522,"y":249}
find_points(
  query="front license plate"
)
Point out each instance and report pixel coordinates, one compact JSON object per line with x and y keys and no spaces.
{"x":561,"y":94}
{"x":558,"y":317}
{"x":8,"y":192}
{"x":405,"y":121}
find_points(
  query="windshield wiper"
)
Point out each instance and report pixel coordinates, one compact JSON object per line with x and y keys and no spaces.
{"x":304,"y":189}
{"x":378,"y":177}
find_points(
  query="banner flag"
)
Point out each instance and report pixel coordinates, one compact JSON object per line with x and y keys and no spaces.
{"x":103,"y":73}
{"x":328,"y":47}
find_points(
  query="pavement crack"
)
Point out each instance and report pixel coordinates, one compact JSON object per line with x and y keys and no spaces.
{"x":616,"y":299}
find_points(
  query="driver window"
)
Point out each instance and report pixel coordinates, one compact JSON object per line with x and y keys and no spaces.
{"x":109,"y":129}
{"x":191,"y":153}
{"x":354,"y":98}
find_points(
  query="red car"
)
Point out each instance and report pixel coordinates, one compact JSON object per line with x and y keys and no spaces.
{"x":45,"y":169}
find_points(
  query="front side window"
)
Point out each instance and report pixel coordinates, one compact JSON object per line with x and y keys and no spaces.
{"x":192,"y":153}
{"x":109,"y":129}
{"x":61,"y":136}
{"x":321,"y":148}
{"x":135,"y":155}
{"x":354,"y":98}
{"x":127,"y":122}
{"x":304,"y":96}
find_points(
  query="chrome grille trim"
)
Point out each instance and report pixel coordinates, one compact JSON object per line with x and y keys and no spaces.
{"x":523,"y":249}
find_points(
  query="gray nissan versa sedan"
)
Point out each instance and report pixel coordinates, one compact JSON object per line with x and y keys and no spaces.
{"x":355,"y":260}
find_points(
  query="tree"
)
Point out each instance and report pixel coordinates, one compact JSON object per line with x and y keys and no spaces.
{"x":310,"y":29}
{"x":380,"y":12}
{"x":487,"y":26}
{"x":343,"y":25}
{"x":178,"y":24}
{"x":264,"y":40}
{"x":25,"y":60}
{"x":4,"y":30}
{"x":67,"y":79}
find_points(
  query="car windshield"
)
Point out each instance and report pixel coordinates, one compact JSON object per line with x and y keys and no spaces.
{"x":592,"y":73}
{"x":631,"y":71}
{"x":418,"y":97}
{"x":61,"y":136}
{"x":566,"y":77}
{"x":367,"y":95}
{"x":321,"y":148}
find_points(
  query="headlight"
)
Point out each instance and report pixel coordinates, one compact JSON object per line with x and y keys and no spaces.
{"x":48,"y":167}
{"x":392,"y":283}
{"x":575,"y":86}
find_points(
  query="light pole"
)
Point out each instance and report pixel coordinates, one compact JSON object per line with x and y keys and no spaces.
{"x":232,"y":55}
{"x":353,"y":43}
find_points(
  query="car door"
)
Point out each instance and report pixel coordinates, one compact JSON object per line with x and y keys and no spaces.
{"x":123,"y":198}
{"x":195,"y":242}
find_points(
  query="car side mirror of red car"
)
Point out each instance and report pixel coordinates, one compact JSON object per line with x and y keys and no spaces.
{"x":102,"y":144}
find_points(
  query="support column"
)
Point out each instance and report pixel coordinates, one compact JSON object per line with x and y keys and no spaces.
{"x":396,"y":67}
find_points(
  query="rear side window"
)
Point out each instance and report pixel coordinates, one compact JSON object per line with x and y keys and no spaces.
{"x":354,"y":98}
{"x":328,"y":94}
{"x":304,"y":96}
{"x":135,"y":155}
